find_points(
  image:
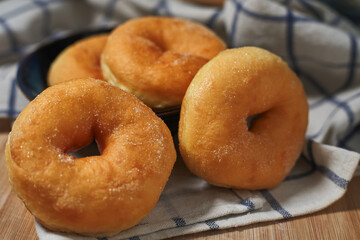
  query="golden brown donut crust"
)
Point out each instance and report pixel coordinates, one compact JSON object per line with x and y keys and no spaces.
{"x":214,"y":138}
{"x":155,"y":58}
{"x":94,"y":195}
{"x":79,"y":60}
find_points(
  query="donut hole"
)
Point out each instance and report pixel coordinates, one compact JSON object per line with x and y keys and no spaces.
{"x":251,"y":120}
{"x":151,"y":44}
{"x":87,"y":151}
{"x":159,"y":43}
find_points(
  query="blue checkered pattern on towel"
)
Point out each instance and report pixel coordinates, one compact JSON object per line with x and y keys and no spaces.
{"x":321,"y":46}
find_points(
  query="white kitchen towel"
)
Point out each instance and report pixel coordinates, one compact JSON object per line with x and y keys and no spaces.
{"x":188,"y":204}
{"x":318,"y":44}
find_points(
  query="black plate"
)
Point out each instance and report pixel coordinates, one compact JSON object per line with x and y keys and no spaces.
{"x":33,"y":68}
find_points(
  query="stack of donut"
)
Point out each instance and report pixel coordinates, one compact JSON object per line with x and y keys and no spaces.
{"x":161,"y":62}
{"x":154,"y":58}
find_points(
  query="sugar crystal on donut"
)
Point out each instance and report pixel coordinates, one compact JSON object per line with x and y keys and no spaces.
{"x":155,"y":58}
{"x":96,"y":195}
{"x":215,"y":140}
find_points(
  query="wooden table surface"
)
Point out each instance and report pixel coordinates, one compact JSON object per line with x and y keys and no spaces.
{"x":339,"y":221}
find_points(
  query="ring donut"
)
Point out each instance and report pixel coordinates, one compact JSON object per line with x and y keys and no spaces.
{"x":94,"y":195}
{"x":216,"y":142}
{"x":155,"y":58}
{"x":79,"y":60}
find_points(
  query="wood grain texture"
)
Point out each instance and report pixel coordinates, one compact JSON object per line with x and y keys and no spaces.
{"x":15,"y":221}
{"x":339,"y":221}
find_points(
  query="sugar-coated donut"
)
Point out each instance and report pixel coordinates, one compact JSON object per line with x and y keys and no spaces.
{"x":94,"y":195}
{"x":216,"y":142}
{"x":155,"y":58}
{"x":79,"y":60}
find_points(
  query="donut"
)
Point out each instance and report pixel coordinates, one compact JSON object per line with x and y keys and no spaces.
{"x":243,"y":120}
{"x":155,"y":58}
{"x":94,"y":195}
{"x":79,"y":60}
